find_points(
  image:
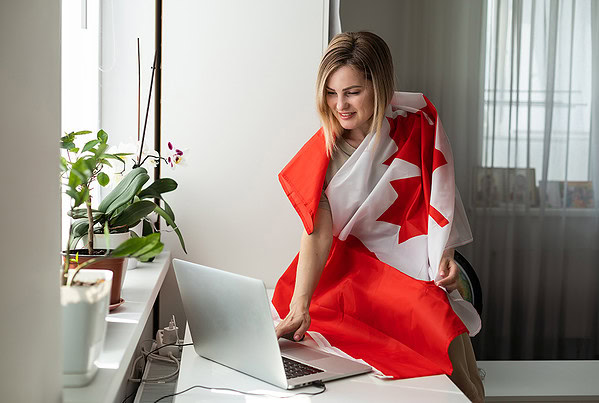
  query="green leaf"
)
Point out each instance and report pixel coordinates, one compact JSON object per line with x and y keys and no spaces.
{"x":152,"y":241}
{"x":74,"y":195}
{"x":79,"y":133}
{"x":83,"y":168}
{"x":114,"y":157}
{"x":172,"y":224}
{"x":103,"y":179}
{"x":76,"y":178}
{"x":169,"y":210}
{"x":79,"y":228}
{"x":64,"y":164}
{"x":68,"y":145}
{"x":102,"y":136}
{"x":105,"y":162}
{"x":133,"y":213}
{"x":100,"y":150}
{"x":74,"y":241}
{"x":89,"y":145}
{"x":162,"y":185}
{"x":155,"y":251}
{"x":92,"y":163}
{"x":84,"y":193}
{"x":147,"y":228}
{"x":139,"y":247}
{"x":124,"y":192}
{"x":68,"y":138}
{"x":79,"y":213}
{"x":129,"y":247}
{"x":67,"y":141}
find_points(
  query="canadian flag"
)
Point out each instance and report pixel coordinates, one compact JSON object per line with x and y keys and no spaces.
{"x":395,"y":210}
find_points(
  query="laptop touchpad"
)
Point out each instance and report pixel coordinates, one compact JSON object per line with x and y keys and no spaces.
{"x":302,"y":352}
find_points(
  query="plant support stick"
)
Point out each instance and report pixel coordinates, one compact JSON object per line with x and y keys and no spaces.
{"x":90,"y":229}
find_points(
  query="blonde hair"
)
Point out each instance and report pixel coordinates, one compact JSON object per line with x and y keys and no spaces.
{"x":367,"y":53}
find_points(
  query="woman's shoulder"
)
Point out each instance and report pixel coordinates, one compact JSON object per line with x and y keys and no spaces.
{"x":405,"y":104}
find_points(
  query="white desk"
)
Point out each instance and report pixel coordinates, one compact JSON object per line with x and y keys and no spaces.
{"x":124,"y":328}
{"x":364,"y":388}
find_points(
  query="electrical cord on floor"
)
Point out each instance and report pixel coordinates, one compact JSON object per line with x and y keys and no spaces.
{"x":319,"y":384}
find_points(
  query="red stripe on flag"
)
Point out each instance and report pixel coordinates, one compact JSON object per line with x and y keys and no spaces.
{"x":437,"y":216}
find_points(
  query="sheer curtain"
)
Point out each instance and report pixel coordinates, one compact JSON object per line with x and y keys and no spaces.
{"x":534,"y":198}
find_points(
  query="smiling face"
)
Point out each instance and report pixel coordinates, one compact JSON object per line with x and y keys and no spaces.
{"x":350,"y":97}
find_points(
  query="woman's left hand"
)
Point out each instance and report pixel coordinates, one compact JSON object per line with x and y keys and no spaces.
{"x":448,"y":272}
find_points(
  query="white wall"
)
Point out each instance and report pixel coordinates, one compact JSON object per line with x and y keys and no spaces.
{"x":238,"y":93}
{"x":30,"y":115}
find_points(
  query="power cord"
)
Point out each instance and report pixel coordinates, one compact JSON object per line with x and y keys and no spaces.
{"x":319,"y":384}
{"x":167,"y":337}
{"x":147,"y":355}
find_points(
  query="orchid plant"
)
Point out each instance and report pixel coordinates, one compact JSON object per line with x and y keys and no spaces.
{"x":130,"y":203}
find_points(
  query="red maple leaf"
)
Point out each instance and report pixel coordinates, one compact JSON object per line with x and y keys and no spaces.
{"x":411,"y":208}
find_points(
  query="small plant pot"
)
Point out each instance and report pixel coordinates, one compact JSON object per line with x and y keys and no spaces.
{"x":117,"y":265}
{"x":115,"y":240}
{"x":84,"y":310}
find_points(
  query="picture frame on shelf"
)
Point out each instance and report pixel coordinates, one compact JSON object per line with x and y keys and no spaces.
{"x":521,"y":185}
{"x":579,"y":194}
{"x":490,"y":187}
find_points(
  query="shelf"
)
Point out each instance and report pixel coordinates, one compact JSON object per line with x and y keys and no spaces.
{"x":124,"y":328}
{"x":535,"y":212}
{"x":544,"y":381}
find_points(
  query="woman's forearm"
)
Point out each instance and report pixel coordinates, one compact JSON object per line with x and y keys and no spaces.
{"x":314,"y":251}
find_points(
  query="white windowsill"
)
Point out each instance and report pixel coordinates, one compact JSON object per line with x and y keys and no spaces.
{"x":536,"y":212}
{"x":124,"y":329}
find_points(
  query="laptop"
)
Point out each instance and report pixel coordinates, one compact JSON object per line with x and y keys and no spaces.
{"x":230,"y":322}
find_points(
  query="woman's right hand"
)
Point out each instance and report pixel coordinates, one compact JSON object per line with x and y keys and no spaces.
{"x":296,"y":322}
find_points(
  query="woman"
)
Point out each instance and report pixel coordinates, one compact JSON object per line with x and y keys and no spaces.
{"x":375,"y":190}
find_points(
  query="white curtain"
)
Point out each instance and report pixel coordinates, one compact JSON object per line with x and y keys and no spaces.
{"x":534,"y":204}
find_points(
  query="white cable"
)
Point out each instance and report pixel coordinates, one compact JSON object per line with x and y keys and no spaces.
{"x":151,"y":357}
{"x":133,"y":370}
{"x":160,"y":379}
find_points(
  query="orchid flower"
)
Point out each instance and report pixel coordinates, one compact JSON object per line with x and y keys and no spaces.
{"x":175,"y":155}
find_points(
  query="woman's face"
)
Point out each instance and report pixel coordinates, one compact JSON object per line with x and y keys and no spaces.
{"x":351,"y":99}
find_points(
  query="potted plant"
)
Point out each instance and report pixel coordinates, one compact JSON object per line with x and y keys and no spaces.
{"x":85,"y":293}
{"x":125,"y":207}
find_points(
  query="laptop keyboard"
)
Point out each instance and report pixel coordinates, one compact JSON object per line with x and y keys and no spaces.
{"x":294,"y":369}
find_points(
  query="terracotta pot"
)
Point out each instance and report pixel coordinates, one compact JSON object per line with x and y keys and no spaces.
{"x":117,"y":265}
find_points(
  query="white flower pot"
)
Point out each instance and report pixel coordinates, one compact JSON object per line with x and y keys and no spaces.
{"x":84,"y":311}
{"x":115,"y":240}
